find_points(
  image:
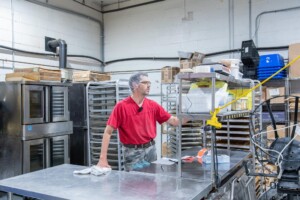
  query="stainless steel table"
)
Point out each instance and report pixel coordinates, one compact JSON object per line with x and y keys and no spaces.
{"x":202,"y":172}
{"x":60,"y":183}
{"x":154,"y":182}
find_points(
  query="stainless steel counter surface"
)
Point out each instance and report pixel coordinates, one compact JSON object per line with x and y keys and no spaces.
{"x":60,"y":183}
{"x":202,"y":172}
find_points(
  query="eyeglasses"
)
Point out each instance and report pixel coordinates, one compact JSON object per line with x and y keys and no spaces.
{"x":146,"y":82}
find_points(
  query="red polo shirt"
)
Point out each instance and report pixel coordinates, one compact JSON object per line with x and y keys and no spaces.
{"x":137,"y":127}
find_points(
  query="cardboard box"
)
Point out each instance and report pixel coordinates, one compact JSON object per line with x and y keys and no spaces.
{"x":292,"y":102}
{"x":274,"y":92}
{"x":168,"y":74}
{"x":281,"y":130}
{"x":34,"y":74}
{"x":86,"y":76}
{"x":186,"y":64}
{"x":271,"y":132}
{"x":198,"y":56}
{"x":188,"y":60}
{"x":263,"y":94}
{"x":294,"y":69}
{"x":38,"y":69}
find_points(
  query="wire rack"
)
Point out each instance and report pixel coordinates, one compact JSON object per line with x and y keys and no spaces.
{"x":101,"y":99}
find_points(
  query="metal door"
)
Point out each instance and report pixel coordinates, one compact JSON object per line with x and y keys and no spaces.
{"x":59,"y":104}
{"x":59,"y":150}
{"x":34,"y":105}
{"x":34,"y":156}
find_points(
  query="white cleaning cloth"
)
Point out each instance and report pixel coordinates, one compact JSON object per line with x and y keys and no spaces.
{"x":95,"y":170}
{"x":83,"y":171}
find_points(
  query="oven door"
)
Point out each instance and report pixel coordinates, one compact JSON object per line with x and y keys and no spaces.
{"x":59,"y":150}
{"x":34,"y":105}
{"x":59,"y":104}
{"x":34,"y":156}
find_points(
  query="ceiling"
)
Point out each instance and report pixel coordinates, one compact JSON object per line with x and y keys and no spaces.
{"x":101,"y":4}
{"x":106,"y":2}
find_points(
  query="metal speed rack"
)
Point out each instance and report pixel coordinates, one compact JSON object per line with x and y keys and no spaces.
{"x":101,"y":99}
{"x":191,"y":133}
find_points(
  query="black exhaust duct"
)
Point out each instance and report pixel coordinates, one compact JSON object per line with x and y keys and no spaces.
{"x":59,"y":47}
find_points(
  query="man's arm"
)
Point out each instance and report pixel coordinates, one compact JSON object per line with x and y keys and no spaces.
{"x":105,"y":142}
{"x":174,"y":121}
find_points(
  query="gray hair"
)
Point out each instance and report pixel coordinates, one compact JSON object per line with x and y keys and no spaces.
{"x":135,"y":79}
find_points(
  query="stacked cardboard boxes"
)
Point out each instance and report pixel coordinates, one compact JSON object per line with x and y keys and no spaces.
{"x":189,"y":60}
{"x":86,"y":76}
{"x":168,"y":74}
{"x":34,"y":74}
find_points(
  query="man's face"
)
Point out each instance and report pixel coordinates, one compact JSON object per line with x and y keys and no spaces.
{"x":144,"y":86}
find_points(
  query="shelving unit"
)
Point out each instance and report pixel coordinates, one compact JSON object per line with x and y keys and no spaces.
{"x":191,"y":132}
{"x":101,"y":99}
{"x":234,"y":122}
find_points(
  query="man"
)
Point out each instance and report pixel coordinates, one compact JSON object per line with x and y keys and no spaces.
{"x":135,"y":117}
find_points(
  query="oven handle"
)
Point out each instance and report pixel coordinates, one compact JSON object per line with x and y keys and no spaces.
{"x":47,"y":104}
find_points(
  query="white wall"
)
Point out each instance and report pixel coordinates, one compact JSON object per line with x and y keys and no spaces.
{"x":162,"y":29}
{"x":24,"y":25}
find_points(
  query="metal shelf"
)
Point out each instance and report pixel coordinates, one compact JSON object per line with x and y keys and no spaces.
{"x":221,"y":116}
{"x":221,"y":77}
{"x":101,"y":99}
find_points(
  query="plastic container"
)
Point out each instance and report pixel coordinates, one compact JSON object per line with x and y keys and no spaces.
{"x":249,"y":72}
{"x":205,"y":156}
{"x":271,"y":60}
{"x":201,"y":102}
{"x":235,"y":72}
{"x":221,"y":159}
{"x":202,"y":69}
{"x":249,"y":54}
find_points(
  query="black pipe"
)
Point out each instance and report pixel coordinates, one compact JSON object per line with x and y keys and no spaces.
{"x":272,"y":48}
{"x":142,"y":58}
{"x":48,"y":54}
{"x":21,"y":62}
{"x":62,"y":51}
{"x":206,"y":55}
{"x":27,"y":52}
{"x":90,"y":57}
{"x":145,"y":58}
{"x":222,"y":52}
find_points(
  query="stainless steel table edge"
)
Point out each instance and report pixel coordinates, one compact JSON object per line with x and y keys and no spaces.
{"x":183,"y":190}
{"x":26,"y":193}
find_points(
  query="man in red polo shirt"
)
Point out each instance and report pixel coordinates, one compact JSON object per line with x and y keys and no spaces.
{"x":135,"y":117}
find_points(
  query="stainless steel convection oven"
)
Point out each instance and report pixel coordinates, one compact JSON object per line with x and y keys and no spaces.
{"x":35,"y":126}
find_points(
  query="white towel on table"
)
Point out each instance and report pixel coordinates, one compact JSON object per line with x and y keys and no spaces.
{"x":94,"y":170}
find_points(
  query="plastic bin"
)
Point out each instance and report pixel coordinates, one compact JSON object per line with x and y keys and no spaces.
{"x":201,"y":102}
{"x":271,"y":60}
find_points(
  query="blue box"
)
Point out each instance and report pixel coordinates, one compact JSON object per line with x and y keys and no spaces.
{"x":271,"y":60}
